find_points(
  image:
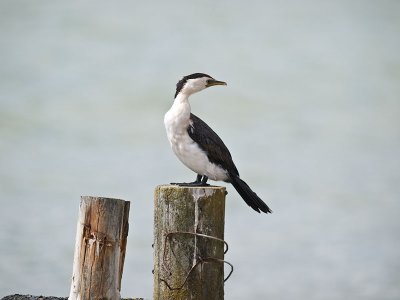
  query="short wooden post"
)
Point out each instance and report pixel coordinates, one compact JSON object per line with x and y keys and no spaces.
{"x":100,"y":245}
{"x":188,"y":243}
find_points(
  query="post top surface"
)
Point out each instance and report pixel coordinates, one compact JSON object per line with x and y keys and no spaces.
{"x":101,"y":198}
{"x":173,"y":186}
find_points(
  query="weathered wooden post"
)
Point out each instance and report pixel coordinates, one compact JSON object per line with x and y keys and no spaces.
{"x":188,"y":242}
{"x":99,"y":248}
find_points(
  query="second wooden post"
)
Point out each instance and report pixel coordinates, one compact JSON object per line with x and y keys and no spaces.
{"x":100,"y":245}
{"x":188,"y":242}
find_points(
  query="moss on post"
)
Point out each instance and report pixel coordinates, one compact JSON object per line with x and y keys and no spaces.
{"x":188,"y":247}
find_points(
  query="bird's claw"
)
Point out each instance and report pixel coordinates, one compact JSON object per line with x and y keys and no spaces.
{"x":194,"y":184}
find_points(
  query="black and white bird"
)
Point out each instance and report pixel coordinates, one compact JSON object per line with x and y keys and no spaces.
{"x":198,"y":147}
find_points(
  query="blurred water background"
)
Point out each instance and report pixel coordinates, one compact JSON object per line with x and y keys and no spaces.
{"x":310,"y":114}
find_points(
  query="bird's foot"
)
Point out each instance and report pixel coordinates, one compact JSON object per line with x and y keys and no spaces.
{"x":200,"y":181}
{"x":194,"y":183}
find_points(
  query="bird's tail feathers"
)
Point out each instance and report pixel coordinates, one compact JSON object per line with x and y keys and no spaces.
{"x":248,"y":195}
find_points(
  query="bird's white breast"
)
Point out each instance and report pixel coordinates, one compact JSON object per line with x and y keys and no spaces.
{"x":176,"y":121}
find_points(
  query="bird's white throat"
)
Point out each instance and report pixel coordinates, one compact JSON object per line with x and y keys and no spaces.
{"x":177,"y":118}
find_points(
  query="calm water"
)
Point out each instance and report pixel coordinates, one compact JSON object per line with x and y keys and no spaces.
{"x":311,"y":115}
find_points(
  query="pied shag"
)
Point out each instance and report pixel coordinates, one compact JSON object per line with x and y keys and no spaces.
{"x":198,"y":147}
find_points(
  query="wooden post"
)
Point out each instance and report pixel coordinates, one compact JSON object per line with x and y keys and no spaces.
{"x":99,"y":248}
{"x":188,"y":242}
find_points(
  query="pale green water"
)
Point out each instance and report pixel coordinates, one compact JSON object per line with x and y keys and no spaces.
{"x":311,"y":115}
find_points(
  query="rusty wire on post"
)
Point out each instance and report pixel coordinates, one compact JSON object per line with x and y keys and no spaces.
{"x":200,"y":260}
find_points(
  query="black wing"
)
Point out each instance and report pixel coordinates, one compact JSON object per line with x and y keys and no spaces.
{"x":212,"y":144}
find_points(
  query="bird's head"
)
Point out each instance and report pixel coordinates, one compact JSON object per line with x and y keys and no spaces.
{"x":194,"y":83}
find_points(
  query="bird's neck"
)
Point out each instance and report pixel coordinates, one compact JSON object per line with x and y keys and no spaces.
{"x":177,"y":119}
{"x":182,"y":98}
{"x":181,"y":105}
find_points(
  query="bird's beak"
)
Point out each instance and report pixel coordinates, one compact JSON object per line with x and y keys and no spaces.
{"x":212,"y":82}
